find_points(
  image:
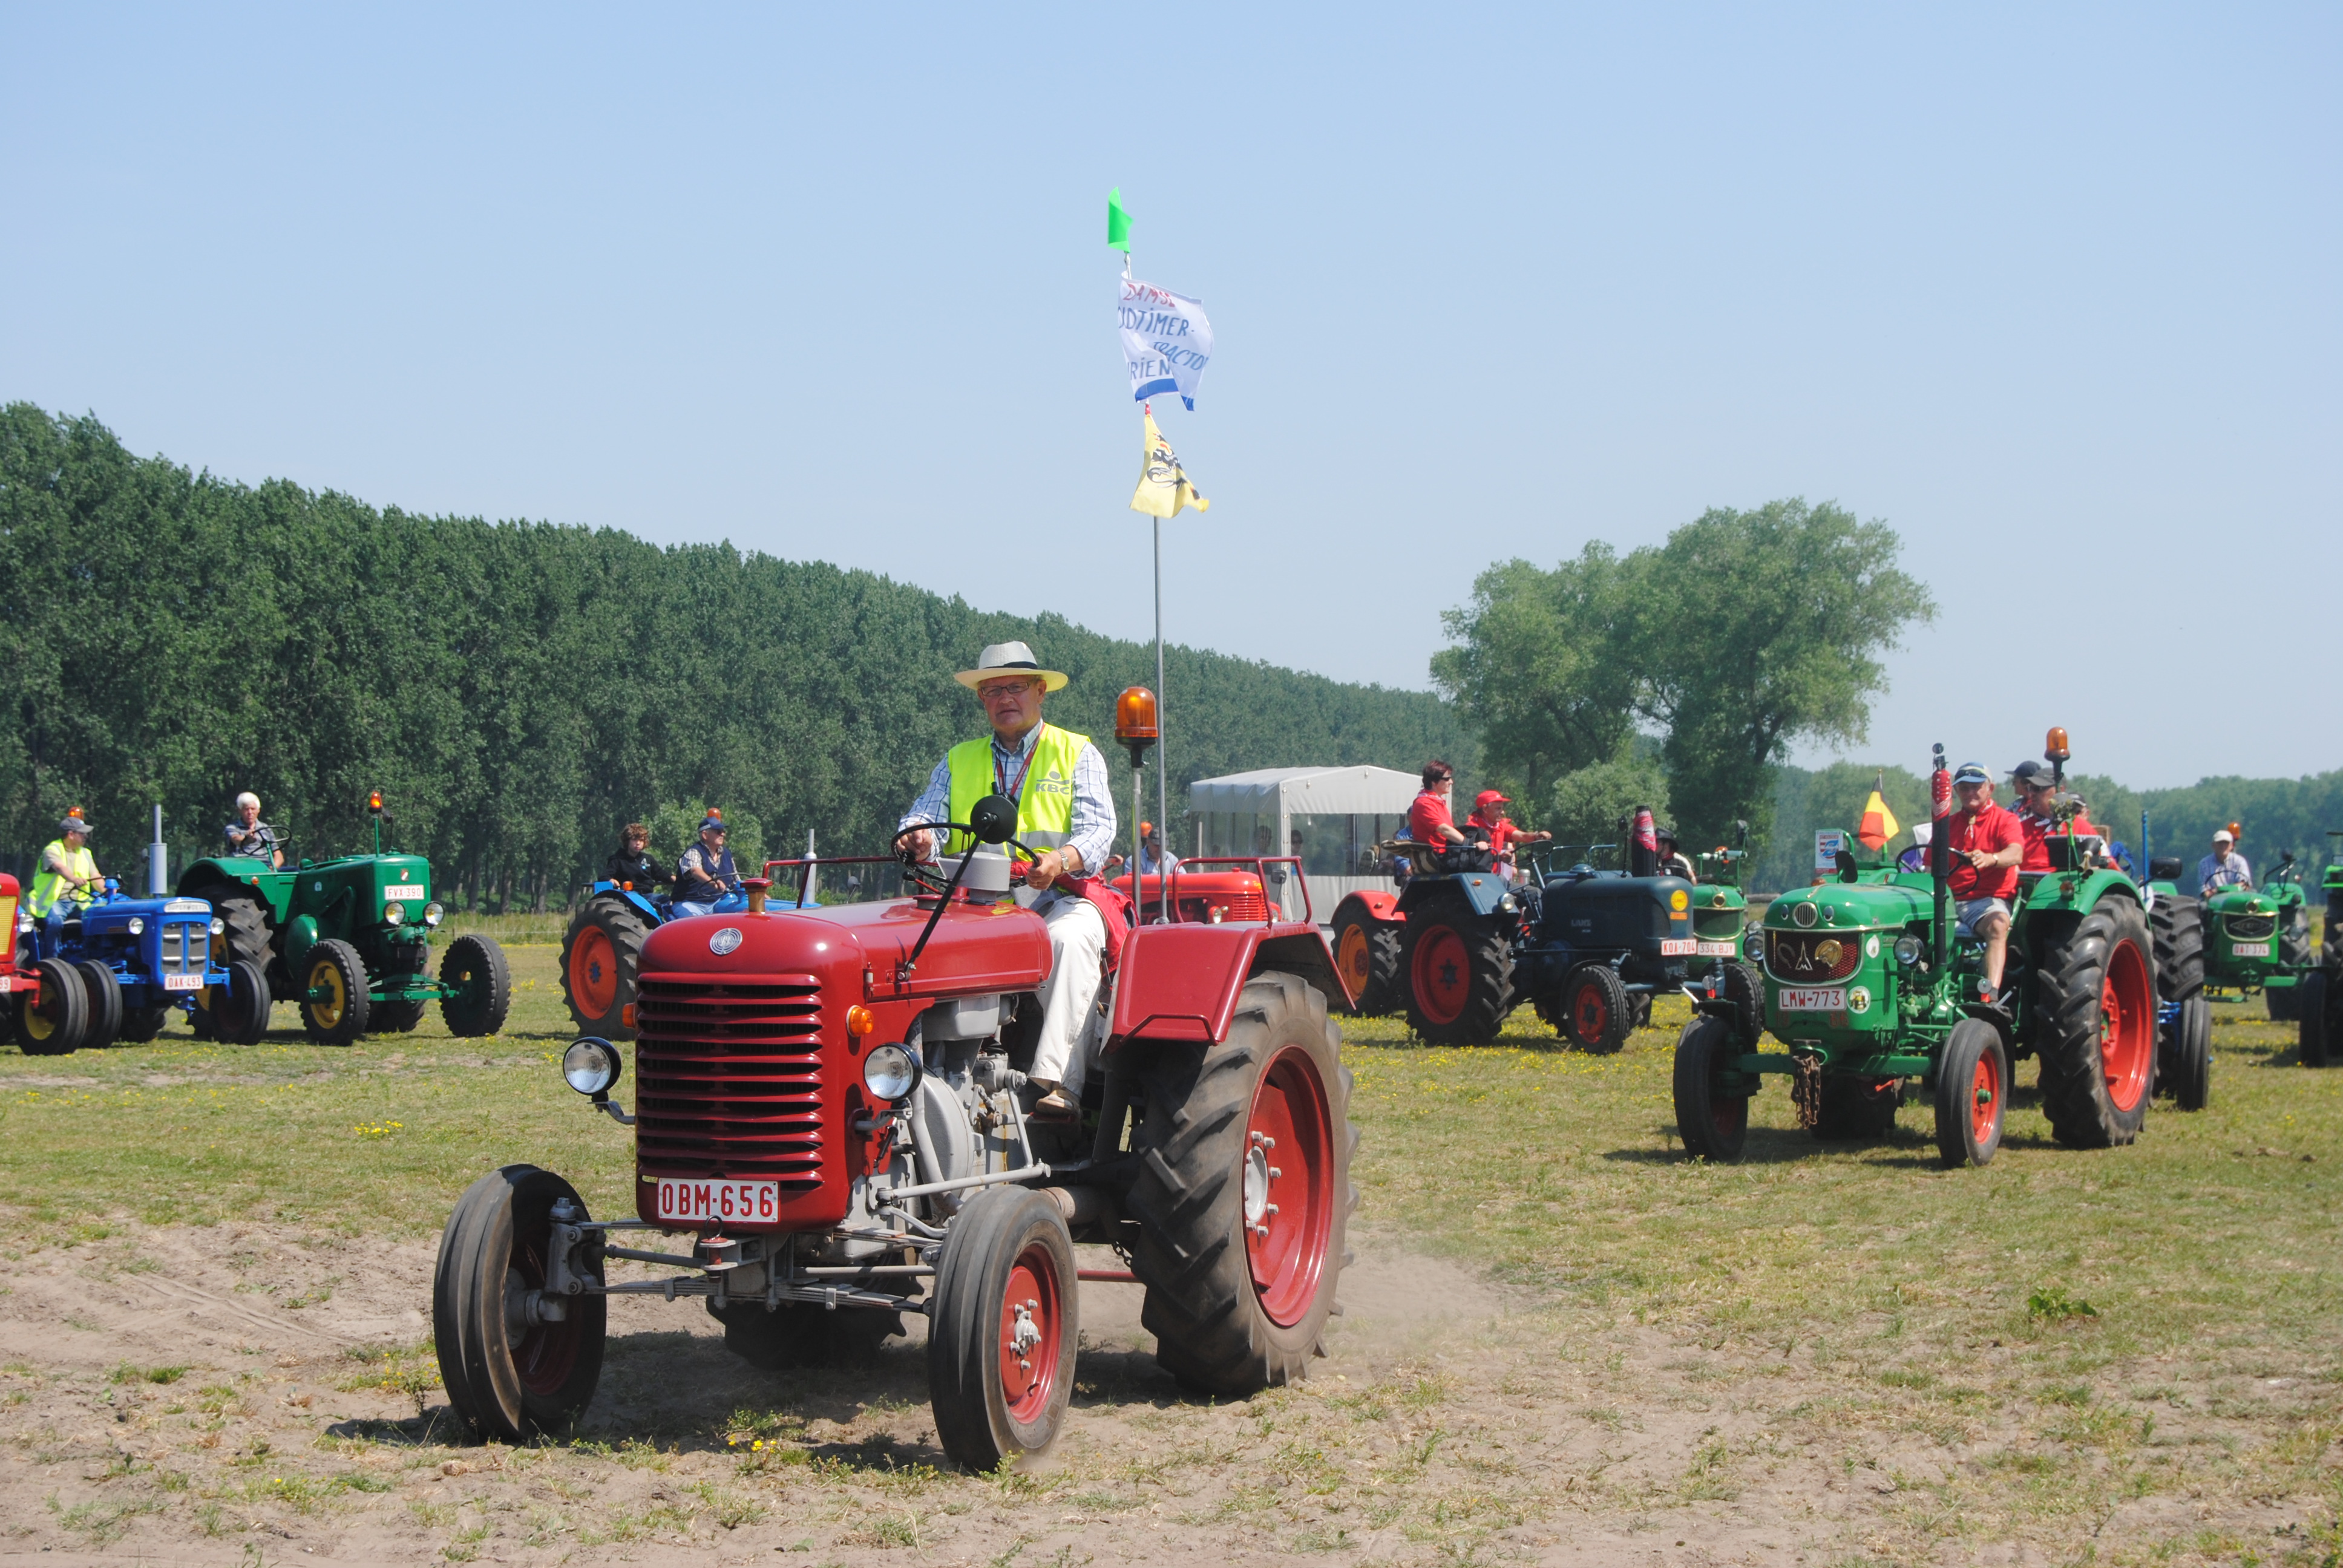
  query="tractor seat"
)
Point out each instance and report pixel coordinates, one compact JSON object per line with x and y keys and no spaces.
{"x":1422,"y":858}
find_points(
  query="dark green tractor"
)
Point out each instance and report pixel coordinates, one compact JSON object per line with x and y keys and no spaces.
{"x":349,"y":939}
{"x":1870,"y":988}
{"x":2318,"y":1004}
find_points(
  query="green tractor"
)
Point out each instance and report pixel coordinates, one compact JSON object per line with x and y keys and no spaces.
{"x":2256,"y":939}
{"x":1869,"y":987}
{"x":349,"y":938}
{"x":2318,"y":1001}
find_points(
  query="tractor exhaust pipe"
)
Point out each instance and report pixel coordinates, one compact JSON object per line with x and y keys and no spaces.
{"x":158,"y":862}
{"x":1940,"y":848}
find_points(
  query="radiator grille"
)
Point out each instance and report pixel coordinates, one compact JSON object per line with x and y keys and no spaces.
{"x":2250,"y":928}
{"x":729,"y":1081}
{"x":1717,"y":925}
{"x":1811,"y":956}
{"x":186,"y":947}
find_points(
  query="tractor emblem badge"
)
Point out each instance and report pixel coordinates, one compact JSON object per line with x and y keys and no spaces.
{"x":724,"y":941}
{"x":1858,"y":1000}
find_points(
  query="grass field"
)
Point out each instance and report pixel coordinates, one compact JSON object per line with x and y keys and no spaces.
{"x":2150,"y":1336}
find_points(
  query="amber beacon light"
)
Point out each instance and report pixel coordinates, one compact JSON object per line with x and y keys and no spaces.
{"x":1134,"y":721}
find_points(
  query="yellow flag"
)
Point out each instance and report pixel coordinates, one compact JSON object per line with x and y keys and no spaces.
{"x":1163,"y":489}
{"x":1879,"y":823}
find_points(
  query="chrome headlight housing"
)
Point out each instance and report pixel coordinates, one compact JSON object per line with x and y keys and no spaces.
{"x":136,"y":925}
{"x":434,"y":912}
{"x":591,"y":1064}
{"x":394,"y":912}
{"x":1908,"y":950}
{"x":890,"y":1073}
{"x":1752,"y":947}
{"x":219,"y":927}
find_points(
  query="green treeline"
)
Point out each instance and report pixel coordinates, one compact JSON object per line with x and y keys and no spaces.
{"x":520,"y":690}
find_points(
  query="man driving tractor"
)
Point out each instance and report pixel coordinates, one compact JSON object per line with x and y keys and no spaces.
{"x":68,"y":874}
{"x":1065,"y":812}
{"x":1987,"y":844}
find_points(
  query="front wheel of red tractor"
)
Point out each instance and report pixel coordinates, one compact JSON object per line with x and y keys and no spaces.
{"x":2097,"y":1036}
{"x":510,"y":1366}
{"x":1244,"y":1197}
{"x":1000,"y":1342}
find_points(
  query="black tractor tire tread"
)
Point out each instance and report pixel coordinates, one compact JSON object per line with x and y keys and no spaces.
{"x":1619,"y":1007}
{"x":1201,"y":1304}
{"x":1744,"y":987}
{"x":2177,"y":923}
{"x":476,"y":1019}
{"x":244,"y":937}
{"x":2191,"y":1055}
{"x":241,"y":1025}
{"x":2067,"y":985}
{"x":1489,"y":950}
{"x":475,"y":1359}
{"x":963,"y":1368}
{"x":1956,"y":1078}
{"x":1698,"y":1045}
{"x":357,"y":1008}
{"x":626,"y":928}
{"x":2314,"y":1028}
{"x":1385,"y":943}
{"x":105,"y":993}
{"x":64,"y":1002}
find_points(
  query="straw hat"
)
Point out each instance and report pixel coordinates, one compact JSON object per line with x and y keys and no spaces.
{"x":1009,"y":658}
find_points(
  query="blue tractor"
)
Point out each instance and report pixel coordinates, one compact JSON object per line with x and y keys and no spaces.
{"x":602,"y":949}
{"x":115,"y":968}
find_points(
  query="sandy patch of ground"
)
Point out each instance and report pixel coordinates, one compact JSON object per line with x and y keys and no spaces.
{"x":1449,"y":1421}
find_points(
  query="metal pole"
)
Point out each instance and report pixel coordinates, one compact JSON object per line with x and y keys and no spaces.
{"x":1162,"y":730}
{"x":158,"y":869}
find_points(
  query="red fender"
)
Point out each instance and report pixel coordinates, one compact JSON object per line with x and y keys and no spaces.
{"x":1182,"y":981}
{"x":1374,"y":906}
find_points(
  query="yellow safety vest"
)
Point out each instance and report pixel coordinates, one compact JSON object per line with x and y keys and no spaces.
{"x":1045,"y":807}
{"x":48,"y":885}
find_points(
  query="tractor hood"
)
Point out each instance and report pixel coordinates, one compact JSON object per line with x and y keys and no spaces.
{"x":116,"y":914}
{"x":2249,"y":902}
{"x":977,"y":947}
{"x":1848,"y":907}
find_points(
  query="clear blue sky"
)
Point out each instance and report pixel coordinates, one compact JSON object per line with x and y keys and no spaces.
{"x":2052,"y":290}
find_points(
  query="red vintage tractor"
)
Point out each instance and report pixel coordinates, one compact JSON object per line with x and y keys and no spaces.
{"x":833,"y":1118}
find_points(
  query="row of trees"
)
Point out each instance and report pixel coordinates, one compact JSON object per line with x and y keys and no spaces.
{"x":520,"y":690}
{"x":1744,"y":632}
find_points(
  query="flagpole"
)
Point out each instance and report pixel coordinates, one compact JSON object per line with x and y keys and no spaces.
{"x":1163,"y":772}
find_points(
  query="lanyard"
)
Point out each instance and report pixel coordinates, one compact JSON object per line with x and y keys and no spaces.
{"x":1016,"y":792}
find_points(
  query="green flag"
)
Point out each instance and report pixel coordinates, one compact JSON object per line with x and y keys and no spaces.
{"x":1117,"y":222}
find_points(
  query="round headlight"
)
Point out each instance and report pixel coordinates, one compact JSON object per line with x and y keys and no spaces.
{"x":1907,"y":949}
{"x":219,"y":927}
{"x":394,"y":911}
{"x":890,"y":1073}
{"x":591,"y":1064}
{"x":1753,"y":946}
{"x":136,"y":926}
{"x":434,"y":912}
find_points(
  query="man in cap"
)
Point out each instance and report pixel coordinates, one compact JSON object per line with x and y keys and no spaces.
{"x":1065,"y":811}
{"x":68,"y":876}
{"x":1151,"y":859}
{"x":1487,"y":818}
{"x":249,"y":835}
{"x":705,"y":875}
{"x":2224,"y":867}
{"x":1674,"y":862}
{"x":1985,"y":844}
{"x":2036,"y":787}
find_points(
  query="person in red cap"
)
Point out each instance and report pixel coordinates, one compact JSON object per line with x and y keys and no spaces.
{"x":1503,"y":834}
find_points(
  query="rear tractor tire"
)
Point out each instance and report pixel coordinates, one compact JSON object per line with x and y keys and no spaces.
{"x":478,"y":987}
{"x":2099,"y":1028}
{"x":2294,"y":952}
{"x":1244,"y":1196}
{"x":52,"y":1020}
{"x":105,"y":993}
{"x":1001,"y":1345}
{"x":1367,"y":951}
{"x":2184,"y":1066}
{"x":2179,"y":926}
{"x":237,"y":1012}
{"x":1460,"y":974}
{"x":2318,"y":1029}
{"x":1972,"y":1094}
{"x":335,"y":1006}
{"x":510,"y":1371}
{"x":1713,"y":1121}
{"x":600,"y":955}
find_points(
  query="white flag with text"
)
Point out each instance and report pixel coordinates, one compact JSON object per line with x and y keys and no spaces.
{"x":1166,"y":341}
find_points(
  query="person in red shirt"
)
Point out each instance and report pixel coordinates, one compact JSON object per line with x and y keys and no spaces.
{"x":1430,"y":823}
{"x":2036,"y":787}
{"x":1503,"y":834}
{"x":1985,"y":844}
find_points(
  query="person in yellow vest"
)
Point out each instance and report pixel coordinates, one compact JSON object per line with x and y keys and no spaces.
{"x":68,"y":873}
{"x":1065,"y":809}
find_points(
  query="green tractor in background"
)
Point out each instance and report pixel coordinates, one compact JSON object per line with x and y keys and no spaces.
{"x":2318,"y":1001}
{"x":349,"y":939}
{"x":1869,"y":987}
{"x":2256,"y":939}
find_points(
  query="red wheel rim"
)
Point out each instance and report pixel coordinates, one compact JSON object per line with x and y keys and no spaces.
{"x":1442,"y":974}
{"x":1033,"y":1319}
{"x":2126,"y":1025}
{"x":1289,"y":1186}
{"x":594,"y":971}
{"x":1590,"y":1012}
{"x":1985,"y":1098}
{"x":1350,"y":958}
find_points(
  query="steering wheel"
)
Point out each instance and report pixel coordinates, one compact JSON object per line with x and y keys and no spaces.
{"x":991,"y":821}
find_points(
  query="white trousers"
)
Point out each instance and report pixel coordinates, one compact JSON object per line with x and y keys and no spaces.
{"x":1070,"y":996}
